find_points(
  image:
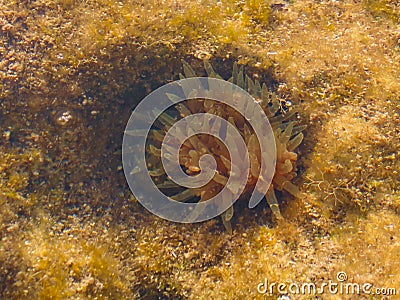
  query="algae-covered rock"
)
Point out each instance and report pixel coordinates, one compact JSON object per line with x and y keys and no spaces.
{"x":71,"y":73}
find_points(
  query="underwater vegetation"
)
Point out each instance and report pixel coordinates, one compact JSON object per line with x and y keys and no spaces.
{"x":71,"y":71}
{"x":287,"y":134}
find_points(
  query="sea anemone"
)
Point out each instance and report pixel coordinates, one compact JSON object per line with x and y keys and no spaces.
{"x":287,"y":132}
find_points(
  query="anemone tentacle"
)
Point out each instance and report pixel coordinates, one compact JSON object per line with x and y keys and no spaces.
{"x":287,"y":132}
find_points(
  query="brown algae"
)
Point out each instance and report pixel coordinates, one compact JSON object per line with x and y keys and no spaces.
{"x":69,"y":230}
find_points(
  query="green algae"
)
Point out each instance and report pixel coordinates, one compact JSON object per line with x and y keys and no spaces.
{"x":383,"y":9}
{"x":340,"y":63}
